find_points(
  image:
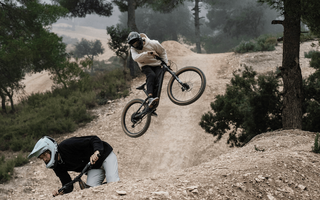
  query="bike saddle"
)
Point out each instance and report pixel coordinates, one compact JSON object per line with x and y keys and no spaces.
{"x":141,"y":87}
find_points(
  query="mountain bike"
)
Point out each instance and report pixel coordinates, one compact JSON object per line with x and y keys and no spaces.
{"x":77,"y":179}
{"x":184,"y":87}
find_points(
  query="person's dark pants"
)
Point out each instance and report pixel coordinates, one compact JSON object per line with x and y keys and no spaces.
{"x":152,"y":73}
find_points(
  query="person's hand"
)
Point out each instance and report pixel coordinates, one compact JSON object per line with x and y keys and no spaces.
{"x":94,"y":157}
{"x":56,"y":193}
{"x":153,"y":53}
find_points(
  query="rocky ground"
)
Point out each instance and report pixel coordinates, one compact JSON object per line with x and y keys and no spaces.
{"x":176,"y":159}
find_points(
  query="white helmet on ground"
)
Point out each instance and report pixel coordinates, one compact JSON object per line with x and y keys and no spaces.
{"x":44,"y":144}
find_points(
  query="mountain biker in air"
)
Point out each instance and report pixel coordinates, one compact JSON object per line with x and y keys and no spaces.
{"x":143,"y":51}
{"x":73,"y":154}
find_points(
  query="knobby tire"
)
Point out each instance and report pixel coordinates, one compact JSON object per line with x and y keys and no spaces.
{"x":196,"y":81}
{"x":126,"y":118}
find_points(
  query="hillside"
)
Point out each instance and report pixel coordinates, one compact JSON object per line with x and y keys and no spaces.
{"x":176,"y":159}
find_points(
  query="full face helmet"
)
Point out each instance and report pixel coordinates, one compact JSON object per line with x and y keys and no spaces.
{"x":44,"y":144}
{"x":135,"y":40}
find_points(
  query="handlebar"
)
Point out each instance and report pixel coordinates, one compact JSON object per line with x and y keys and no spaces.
{"x":158,"y":58}
{"x":77,"y":178}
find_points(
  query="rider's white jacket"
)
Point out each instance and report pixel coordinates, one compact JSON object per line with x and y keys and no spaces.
{"x":142,"y":57}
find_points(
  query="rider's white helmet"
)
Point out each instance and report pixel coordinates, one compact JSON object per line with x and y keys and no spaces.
{"x":44,"y":144}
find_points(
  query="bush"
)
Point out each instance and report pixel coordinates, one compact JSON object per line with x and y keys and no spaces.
{"x":307,"y":37}
{"x":310,"y":53}
{"x":266,"y":43}
{"x":6,"y":167}
{"x":316,"y":147}
{"x":59,"y":111}
{"x":111,"y":86}
{"x":262,"y":43}
{"x":43,"y":114}
{"x":244,"y":47}
{"x":250,"y":106}
{"x":311,"y":87}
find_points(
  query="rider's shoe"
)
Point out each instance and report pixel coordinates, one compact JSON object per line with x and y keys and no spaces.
{"x":152,"y":102}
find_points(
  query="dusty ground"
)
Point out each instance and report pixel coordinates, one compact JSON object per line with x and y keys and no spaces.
{"x":176,"y":159}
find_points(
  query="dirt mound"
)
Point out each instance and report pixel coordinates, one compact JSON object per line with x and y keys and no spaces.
{"x":275,"y":165}
{"x":174,"y":48}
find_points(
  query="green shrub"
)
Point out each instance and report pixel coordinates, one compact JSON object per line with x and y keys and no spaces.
{"x":311,"y":88}
{"x":262,"y":43}
{"x":244,"y":47}
{"x":59,"y":111}
{"x":251,"y":105}
{"x":112,"y":85}
{"x":310,"y":53}
{"x":316,"y":147}
{"x":266,"y":43}
{"x":307,"y":37}
{"x":7,"y":166}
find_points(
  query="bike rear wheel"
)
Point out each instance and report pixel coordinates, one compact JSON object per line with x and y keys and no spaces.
{"x":134,"y":123}
{"x":192,"y":87}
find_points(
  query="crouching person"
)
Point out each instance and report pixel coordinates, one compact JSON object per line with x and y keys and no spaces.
{"x":73,"y":154}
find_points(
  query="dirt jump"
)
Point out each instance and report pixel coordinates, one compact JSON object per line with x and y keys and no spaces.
{"x":176,"y":159}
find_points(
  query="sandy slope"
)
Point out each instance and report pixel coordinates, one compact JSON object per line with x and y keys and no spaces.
{"x":175,"y":159}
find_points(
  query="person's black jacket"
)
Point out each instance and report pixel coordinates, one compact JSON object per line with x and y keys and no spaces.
{"x":75,"y":153}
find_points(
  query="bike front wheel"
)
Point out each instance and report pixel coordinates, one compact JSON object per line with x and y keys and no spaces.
{"x":190,"y":88}
{"x":135,"y":121}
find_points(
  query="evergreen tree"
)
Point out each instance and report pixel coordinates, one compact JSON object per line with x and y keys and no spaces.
{"x":250,"y":106}
{"x":26,"y":45}
{"x":293,"y":11}
{"x":89,"y":49}
{"x":118,"y":42}
{"x":81,"y":8}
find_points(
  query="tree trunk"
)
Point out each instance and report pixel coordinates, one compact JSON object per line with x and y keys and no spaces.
{"x":132,"y":15}
{"x":133,"y":27}
{"x":131,"y":64}
{"x":10,"y":95}
{"x":11,"y":101}
{"x":290,"y":70}
{"x":3,"y":102}
{"x":197,"y":25}
{"x":91,"y":65}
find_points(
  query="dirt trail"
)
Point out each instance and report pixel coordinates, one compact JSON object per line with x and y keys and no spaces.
{"x":175,"y":153}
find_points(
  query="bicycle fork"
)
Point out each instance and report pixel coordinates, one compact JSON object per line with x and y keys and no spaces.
{"x":137,"y":117}
{"x":184,"y":86}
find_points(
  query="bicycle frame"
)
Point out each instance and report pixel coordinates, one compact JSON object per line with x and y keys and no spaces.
{"x":165,"y":69}
{"x":185,"y":86}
